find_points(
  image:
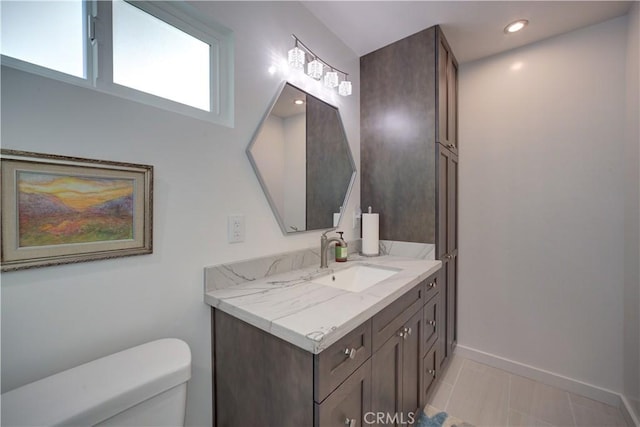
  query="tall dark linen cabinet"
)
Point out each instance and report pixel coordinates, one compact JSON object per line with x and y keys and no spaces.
{"x":409,"y":157}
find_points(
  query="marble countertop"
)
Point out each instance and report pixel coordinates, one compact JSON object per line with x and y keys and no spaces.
{"x":313,"y":316}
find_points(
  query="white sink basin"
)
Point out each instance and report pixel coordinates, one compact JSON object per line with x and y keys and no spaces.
{"x":356,"y":278}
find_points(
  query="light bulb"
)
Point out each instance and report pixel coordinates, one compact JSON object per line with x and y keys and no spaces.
{"x":345,"y":88}
{"x":314,"y":69}
{"x":296,"y":58}
{"x":331,"y":79}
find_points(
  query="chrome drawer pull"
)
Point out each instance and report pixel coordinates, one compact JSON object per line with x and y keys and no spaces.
{"x":350,"y":422}
{"x":350,"y":353}
{"x":432,"y":323}
{"x":404,"y":333}
{"x":432,"y":284}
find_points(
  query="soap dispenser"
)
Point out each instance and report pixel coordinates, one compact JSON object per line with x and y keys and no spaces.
{"x":341,"y":249}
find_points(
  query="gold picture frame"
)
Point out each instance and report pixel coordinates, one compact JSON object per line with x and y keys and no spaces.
{"x":59,"y":210}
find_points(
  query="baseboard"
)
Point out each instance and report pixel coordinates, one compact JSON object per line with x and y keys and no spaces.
{"x":628,"y":414}
{"x":574,"y":386}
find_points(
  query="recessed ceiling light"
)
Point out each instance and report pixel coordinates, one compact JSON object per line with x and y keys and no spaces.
{"x":298,"y":102}
{"x":516,"y":26}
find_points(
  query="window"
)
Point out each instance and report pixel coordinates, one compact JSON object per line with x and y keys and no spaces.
{"x":45,"y":33}
{"x":154,"y":57}
{"x":159,"y":53}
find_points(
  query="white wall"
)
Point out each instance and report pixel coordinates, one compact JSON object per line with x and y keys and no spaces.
{"x":541,"y":204}
{"x":632,"y":216}
{"x":58,"y":317}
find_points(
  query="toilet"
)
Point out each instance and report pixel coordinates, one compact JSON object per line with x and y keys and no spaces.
{"x":141,"y":386}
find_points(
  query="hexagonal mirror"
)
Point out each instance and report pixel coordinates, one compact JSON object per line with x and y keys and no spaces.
{"x":303,"y":161}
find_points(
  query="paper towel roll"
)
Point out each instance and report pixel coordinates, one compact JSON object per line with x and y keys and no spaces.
{"x":370,"y":233}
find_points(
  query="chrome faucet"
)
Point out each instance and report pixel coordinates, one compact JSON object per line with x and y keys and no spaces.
{"x":325,"y":243}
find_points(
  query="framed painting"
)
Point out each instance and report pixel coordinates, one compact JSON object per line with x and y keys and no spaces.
{"x":58,"y":210}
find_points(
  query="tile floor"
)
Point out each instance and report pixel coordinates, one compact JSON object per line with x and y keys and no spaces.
{"x":486,"y":396}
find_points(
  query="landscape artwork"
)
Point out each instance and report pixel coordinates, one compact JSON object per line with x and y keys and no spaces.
{"x":55,"y":209}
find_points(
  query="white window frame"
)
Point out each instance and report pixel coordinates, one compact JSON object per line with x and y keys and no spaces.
{"x":99,"y":58}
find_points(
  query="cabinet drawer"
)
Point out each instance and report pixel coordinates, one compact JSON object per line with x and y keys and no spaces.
{"x":431,"y":322}
{"x":389,"y":321}
{"x":429,"y":371}
{"x":432,"y":286}
{"x":349,"y":403}
{"x":334,"y":364}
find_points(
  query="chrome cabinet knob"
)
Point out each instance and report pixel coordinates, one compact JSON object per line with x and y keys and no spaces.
{"x":432,"y":285}
{"x":432,"y":322}
{"x":351,"y":422}
{"x":350,"y":353}
{"x":404,"y":333}
{"x":432,"y":372}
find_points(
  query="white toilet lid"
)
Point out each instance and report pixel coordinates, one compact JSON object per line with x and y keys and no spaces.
{"x":95,"y":391}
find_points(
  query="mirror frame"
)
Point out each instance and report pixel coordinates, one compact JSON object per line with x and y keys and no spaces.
{"x":263,"y":185}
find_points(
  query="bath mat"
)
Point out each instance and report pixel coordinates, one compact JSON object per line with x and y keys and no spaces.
{"x":433,"y":417}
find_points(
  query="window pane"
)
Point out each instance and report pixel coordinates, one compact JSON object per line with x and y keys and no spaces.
{"x":45,"y":33}
{"x":154,"y":57}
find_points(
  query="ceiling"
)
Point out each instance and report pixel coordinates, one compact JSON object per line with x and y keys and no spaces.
{"x":474,"y":29}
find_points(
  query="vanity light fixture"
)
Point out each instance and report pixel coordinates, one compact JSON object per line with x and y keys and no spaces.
{"x":331,"y":79}
{"x":516,"y":26}
{"x":345,"y":88}
{"x":296,"y":57}
{"x":316,"y":68}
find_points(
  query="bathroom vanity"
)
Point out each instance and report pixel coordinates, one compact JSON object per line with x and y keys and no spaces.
{"x":291,"y":349}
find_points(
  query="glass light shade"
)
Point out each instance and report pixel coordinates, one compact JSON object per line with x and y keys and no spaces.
{"x":314,"y":69}
{"x":331,"y":79}
{"x":345,"y":88}
{"x":296,"y":58}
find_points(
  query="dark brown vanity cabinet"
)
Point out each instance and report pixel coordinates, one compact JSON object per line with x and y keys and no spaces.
{"x":260,"y":379}
{"x":409,"y":160}
{"x":408,"y":107}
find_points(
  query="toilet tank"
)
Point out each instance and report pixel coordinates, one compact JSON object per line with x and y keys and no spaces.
{"x":141,"y":386}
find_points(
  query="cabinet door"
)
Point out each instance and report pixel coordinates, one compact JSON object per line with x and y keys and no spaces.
{"x":452,"y":203}
{"x":443,"y":129}
{"x":441,"y":342}
{"x":412,"y":351}
{"x":429,"y":372}
{"x":442,"y":209}
{"x":386,"y":377}
{"x":447,"y":209}
{"x":447,"y":95}
{"x":452,"y":107}
{"x":431,"y":323}
{"x":452,"y":302}
{"x":349,"y":403}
